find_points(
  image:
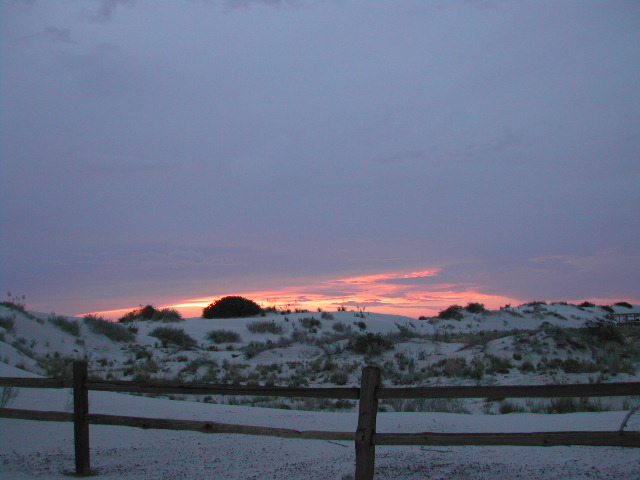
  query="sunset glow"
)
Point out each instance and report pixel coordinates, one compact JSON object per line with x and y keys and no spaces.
{"x":373,"y":292}
{"x":316,"y":154}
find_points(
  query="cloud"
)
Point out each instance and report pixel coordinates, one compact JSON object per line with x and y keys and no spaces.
{"x":407,"y":156}
{"x":58,"y":35}
{"x":102,"y":71}
{"x":124,"y":165}
{"x":107,"y":9}
{"x":278,"y":4}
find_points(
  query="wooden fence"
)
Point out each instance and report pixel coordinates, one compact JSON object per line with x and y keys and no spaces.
{"x":625,"y":318}
{"x":366,"y":438}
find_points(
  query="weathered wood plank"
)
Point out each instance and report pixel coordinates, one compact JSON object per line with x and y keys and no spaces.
{"x":39,"y":415}
{"x":514,"y":391}
{"x":80,"y":424}
{"x":35,"y":382}
{"x":214,"y":427}
{"x":538,"y":439}
{"x":367,"y":418}
{"x":218,"y":389}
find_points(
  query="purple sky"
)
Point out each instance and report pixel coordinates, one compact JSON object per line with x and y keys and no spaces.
{"x":161,"y":151}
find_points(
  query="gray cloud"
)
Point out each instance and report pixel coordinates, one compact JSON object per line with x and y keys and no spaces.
{"x":118,"y":165}
{"x":280,"y":4}
{"x":107,"y":9}
{"x":58,"y":35}
{"x":104,"y":70}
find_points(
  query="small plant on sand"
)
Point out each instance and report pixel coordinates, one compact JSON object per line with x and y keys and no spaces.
{"x":265,"y":326}
{"x":8,"y":324}
{"x":15,"y":302}
{"x":361,"y":325}
{"x":8,"y":395}
{"x":113,"y":331}
{"x":370,"y":344}
{"x":72,"y":327}
{"x":173,"y":336}
{"x":310,"y":323}
{"x":223,"y":336}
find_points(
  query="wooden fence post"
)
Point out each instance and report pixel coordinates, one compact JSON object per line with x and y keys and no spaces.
{"x":368,"y":410}
{"x":80,"y":412}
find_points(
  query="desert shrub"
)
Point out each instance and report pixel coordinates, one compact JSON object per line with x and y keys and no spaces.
{"x":507,"y":407}
{"x":572,"y":365}
{"x":310,"y":323}
{"x":140,"y":352}
{"x":72,"y":327}
{"x":498,"y":365}
{"x":231,"y":307}
{"x":173,"y":336}
{"x":473,"y":307}
{"x":8,"y":324}
{"x":361,"y":325}
{"x":448,"y":405}
{"x":113,"y":331}
{"x":8,"y":395}
{"x":151,"y":313}
{"x":265,"y":326}
{"x":557,"y":315}
{"x":535,"y":303}
{"x":454,"y":312}
{"x":142,"y":313}
{"x":624,"y":304}
{"x":340,"y":327}
{"x":254,"y":348}
{"x":15,"y":303}
{"x":339,"y":378}
{"x":449,"y":367}
{"x":57,"y":365}
{"x":526,"y":367}
{"x":166,"y":315}
{"x":607,"y":308}
{"x":604,"y":332}
{"x":571,"y":405}
{"x":369,"y":344}
{"x":326,"y":316}
{"x":586,"y":305}
{"x":223,"y":336}
{"x":193,"y":366}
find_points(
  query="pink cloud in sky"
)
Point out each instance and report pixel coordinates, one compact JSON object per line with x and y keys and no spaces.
{"x":373,"y":292}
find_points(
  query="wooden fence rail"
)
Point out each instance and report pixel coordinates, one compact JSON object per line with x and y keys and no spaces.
{"x":365,"y":438}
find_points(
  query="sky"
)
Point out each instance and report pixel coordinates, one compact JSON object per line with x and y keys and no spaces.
{"x":393,"y":155}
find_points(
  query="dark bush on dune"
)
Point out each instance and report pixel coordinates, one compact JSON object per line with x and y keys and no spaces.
{"x":473,"y":307}
{"x":151,"y":313}
{"x":586,"y":305}
{"x":231,"y":307}
{"x":624,"y":304}
{"x":454,"y":312}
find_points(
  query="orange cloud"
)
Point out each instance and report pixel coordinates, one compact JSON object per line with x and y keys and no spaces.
{"x":367,"y":291}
